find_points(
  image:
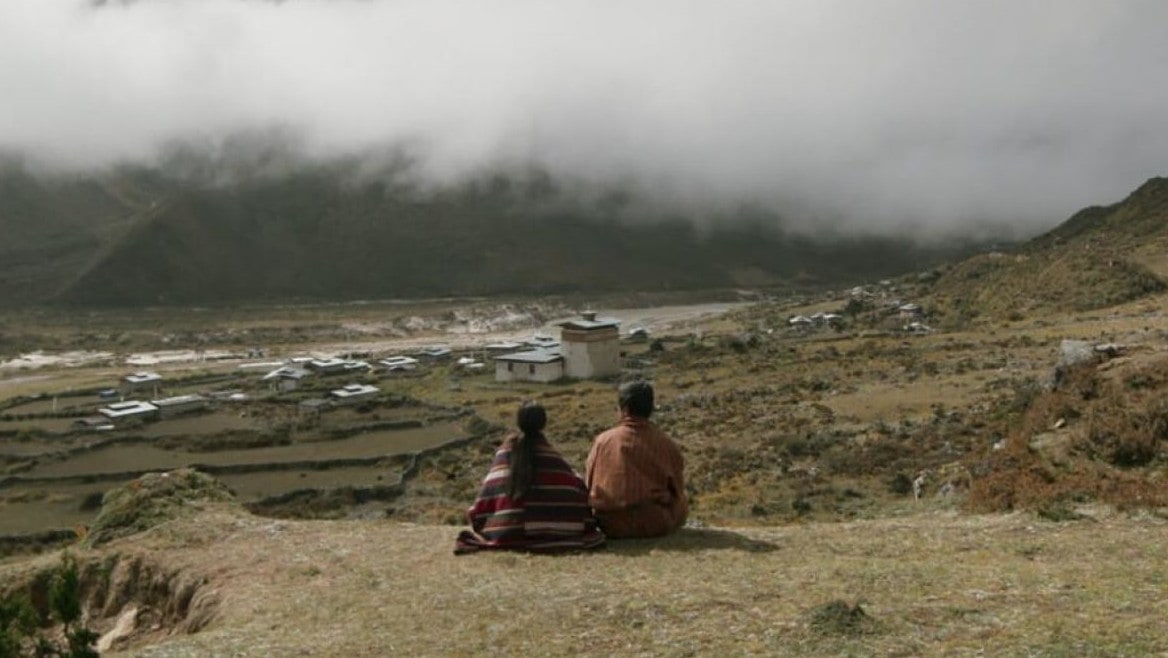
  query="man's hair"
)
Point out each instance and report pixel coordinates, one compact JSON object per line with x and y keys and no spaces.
{"x":636,"y":398}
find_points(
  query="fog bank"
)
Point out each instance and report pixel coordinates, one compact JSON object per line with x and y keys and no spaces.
{"x":868,"y":115}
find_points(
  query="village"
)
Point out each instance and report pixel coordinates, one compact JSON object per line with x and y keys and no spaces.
{"x":339,"y":420}
{"x":589,"y":347}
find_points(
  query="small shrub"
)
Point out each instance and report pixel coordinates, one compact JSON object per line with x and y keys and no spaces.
{"x":1128,"y":438}
{"x":1058,"y":512}
{"x":901,"y":484}
{"x":839,"y":618}
{"x":17,"y":625}
{"x":20,"y":632}
{"x":476,"y":425}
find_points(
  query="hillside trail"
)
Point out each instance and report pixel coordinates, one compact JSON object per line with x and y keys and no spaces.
{"x":933,"y":583}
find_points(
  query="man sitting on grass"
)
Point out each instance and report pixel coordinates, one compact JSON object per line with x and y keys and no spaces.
{"x":634,"y":472}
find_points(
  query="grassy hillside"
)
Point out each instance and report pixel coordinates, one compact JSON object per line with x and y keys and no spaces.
{"x":54,"y":228}
{"x":1100,"y":257}
{"x":928,"y":584}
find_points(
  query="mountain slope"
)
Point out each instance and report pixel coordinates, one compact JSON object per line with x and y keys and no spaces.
{"x":54,"y":228}
{"x":321,"y":232}
{"x":1100,"y":257}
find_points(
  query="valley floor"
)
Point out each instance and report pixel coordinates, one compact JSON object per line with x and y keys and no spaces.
{"x":933,"y":583}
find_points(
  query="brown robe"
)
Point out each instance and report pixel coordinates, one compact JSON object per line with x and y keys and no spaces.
{"x":635,"y":480}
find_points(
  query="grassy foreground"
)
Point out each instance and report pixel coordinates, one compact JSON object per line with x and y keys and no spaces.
{"x":933,"y":584}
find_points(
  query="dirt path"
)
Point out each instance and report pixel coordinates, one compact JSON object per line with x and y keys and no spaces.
{"x":28,"y":379}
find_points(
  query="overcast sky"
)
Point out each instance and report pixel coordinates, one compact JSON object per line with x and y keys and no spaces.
{"x":875,"y":113}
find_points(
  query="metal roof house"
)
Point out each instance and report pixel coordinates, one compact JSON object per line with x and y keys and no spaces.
{"x":588,"y":347}
{"x":180,"y":404}
{"x":143,"y":378}
{"x":638,"y":334}
{"x":326,"y":366}
{"x":503,"y":346}
{"x":142,"y":381}
{"x":591,"y":346}
{"x":399,"y":363}
{"x":435,"y":351}
{"x":93,"y":424}
{"x":285,"y":378}
{"x":542,"y":341}
{"x":354,"y":393}
{"x":529,"y":366}
{"x":128,"y":409}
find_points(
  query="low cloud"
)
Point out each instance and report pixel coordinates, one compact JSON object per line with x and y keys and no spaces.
{"x":865,"y":115}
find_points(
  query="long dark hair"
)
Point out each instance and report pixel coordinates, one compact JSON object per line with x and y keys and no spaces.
{"x":531,"y":420}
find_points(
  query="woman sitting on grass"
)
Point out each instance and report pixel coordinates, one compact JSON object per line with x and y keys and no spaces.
{"x":531,"y":499}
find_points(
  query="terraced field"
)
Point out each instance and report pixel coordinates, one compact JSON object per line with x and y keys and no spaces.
{"x":56,"y":473}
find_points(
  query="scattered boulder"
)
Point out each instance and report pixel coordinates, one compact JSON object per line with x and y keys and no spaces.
{"x":1110,"y":350}
{"x":124,"y":627}
{"x":1075,"y":352}
{"x":151,"y":500}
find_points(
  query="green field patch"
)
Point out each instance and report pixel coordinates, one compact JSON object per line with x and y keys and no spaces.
{"x":209,"y":423}
{"x":46,"y":405}
{"x":254,"y":486}
{"x":11,"y":430}
{"x":30,"y":448}
{"x":40,"y":507}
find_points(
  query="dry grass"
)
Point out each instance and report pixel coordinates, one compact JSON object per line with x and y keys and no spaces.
{"x":1099,"y":436}
{"x":774,"y":429}
{"x":931,"y":584}
{"x":777,"y":426}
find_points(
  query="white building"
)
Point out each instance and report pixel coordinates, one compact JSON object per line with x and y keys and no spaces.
{"x":435,"y":352}
{"x":591,"y":346}
{"x":285,"y":378}
{"x":638,"y":334}
{"x":588,"y":347}
{"x":502,"y":346}
{"x":93,"y":424}
{"x":128,"y":409}
{"x":399,"y":363}
{"x":180,"y":404}
{"x":909,"y":311}
{"x":326,"y":366}
{"x":142,"y":381}
{"x":542,"y":341}
{"x":355,"y":393}
{"x":530,"y":366}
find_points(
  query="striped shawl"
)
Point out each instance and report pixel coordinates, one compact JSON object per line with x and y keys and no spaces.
{"x":553,"y":516}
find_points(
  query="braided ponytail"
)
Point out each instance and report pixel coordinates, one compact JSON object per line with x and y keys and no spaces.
{"x":531,"y":420}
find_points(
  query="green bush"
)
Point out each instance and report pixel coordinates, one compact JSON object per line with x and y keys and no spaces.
{"x":17,"y":625}
{"x":21,"y":635}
